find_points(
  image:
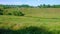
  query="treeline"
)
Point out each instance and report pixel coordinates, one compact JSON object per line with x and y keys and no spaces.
{"x":49,"y":6}
{"x":15,"y":6}
{"x":28,"y":6}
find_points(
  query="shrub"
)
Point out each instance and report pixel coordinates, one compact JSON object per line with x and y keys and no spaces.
{"x":15,"y":13}
{"x":18,"y":13}
{"x":1,"y":12}
{"x":9,"y":13}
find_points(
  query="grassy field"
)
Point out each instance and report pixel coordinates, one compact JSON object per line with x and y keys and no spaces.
{"x":38,"y":12}
{"x":45,"y":18}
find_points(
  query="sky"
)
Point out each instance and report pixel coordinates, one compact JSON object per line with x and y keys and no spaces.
{"x":29,"y":2}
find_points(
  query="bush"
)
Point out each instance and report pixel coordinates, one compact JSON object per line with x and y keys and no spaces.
{"x":15,"y":13}
{"x":18,"y":13}
{"x":1,"y":12}
{"x":9,"y":13}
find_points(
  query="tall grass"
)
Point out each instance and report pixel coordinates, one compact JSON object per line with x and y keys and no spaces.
{"x":29,"y":25}
{"x":27,"y":30}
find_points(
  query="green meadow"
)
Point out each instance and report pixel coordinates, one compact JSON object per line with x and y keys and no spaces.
{"x":35,"y":21}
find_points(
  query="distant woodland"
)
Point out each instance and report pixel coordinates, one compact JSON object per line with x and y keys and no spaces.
{"x":28,"y":6}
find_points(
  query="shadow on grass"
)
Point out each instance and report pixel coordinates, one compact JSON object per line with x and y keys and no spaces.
{"x":28,"y":30}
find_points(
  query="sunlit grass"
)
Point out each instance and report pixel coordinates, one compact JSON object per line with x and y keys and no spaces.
{"x":16,"y":22}
{"x":48,"y":18}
